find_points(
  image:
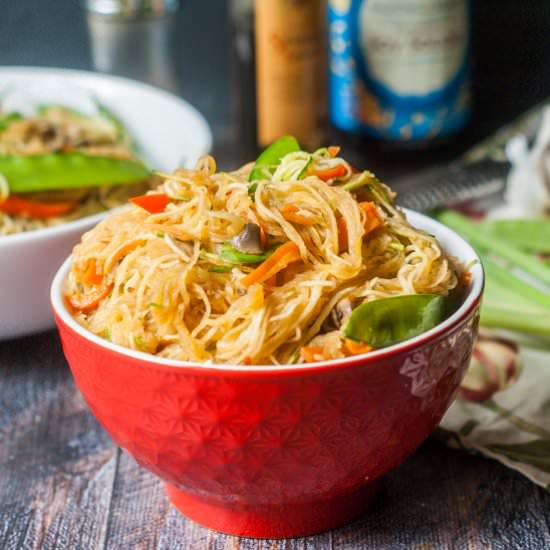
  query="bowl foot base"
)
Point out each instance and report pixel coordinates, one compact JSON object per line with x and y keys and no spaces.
{"x":277,"y":521}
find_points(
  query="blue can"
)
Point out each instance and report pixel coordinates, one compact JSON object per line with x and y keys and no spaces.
{"x":399,"y":69}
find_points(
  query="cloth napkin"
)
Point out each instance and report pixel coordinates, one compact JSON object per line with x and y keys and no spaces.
{"x":503,"y":408}
{"x":508,"y":417}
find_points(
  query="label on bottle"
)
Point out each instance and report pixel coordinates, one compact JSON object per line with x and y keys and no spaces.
{"x":399,"y":68}
{"x":290,"y":70}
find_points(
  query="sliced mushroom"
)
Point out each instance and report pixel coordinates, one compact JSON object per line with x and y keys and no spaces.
{"x":249,"y":240}
{"x":342,"y":310}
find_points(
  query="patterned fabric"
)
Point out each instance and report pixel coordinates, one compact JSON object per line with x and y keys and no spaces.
{"x":512,"y":425}
{"x":503,"y":409}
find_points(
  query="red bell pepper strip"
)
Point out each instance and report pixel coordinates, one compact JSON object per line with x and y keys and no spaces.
{"x":153,"y":203}
{"x":337,"y":171}
{"x":17,"y":206}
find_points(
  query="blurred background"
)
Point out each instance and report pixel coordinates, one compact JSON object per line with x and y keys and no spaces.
{"x":510,"y":62}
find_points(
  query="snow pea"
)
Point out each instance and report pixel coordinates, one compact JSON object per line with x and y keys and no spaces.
{"x":363,"y":179}
{"x":231,"y":254}
{"x":220,"y":269}
{"x":270,"y":158}
{"x":386,"y":321}
{"x":55,"y":171}
{"x":306,"y":168}
{"x":373,"y":187}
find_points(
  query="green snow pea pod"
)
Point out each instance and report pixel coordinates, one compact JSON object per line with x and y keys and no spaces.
{"x":220,"y":269}
{"x":306,"y":167}
{"x":385,"y":322}
{"x":270,"y":158}
{"x":57,"y":171}
{"x":231,"y":254}
{"x":362,"y":179}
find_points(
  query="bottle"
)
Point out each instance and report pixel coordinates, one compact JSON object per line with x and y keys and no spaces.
{"x":281,"y":66}
{"x":244,"y":74}
{"x":399,"y":69}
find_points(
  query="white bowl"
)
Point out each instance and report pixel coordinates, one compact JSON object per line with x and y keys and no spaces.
{"x":169,"y":132}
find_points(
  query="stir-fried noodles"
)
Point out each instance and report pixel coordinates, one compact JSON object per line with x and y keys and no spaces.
{"x":56,"y":140}
{"x":212,"y":267}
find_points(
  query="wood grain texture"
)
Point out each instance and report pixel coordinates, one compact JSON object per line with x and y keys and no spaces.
{"x":64,"y":485}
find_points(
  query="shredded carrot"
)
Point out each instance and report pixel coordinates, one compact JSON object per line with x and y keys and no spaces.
{"x":93,"y":272}
{"x":90,"y":301}
{"x":312,"y":354}
{"x":373,"y":219}
{"x":247,"y":360}
{"x":264,"y":234}
{"x":337,"y":171}
{"x":333,"y":150}
{"x":342,"y":234}
{"x":288,"y":273}
{"x":122,"y":251}
{"x":464,"y":279}
{"x":288,"y":212}
{"x":284,"y":255}
{"x":154,"y":203}
{"x":356,"y":348}
{"x":17,"y":206}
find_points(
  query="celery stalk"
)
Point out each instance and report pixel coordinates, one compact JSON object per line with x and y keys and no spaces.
{"x":512,"y":319}
{"x":529,"y":235}
{"x":475,"y":234}
{"x":512,"y":284}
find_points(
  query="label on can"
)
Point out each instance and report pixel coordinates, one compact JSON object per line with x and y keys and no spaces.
{"x":399,"y":68}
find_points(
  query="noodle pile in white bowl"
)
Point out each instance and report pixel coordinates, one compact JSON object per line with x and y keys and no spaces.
{"x":170,"y":133}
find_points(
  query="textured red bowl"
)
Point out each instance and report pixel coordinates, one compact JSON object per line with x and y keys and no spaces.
{"x":275,"y":451}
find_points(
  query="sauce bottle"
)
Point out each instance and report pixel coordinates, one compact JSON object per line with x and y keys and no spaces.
{"x":280,"y":49}
{"x":399,"y":68}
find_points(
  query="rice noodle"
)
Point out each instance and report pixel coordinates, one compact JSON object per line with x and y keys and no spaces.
{"x":170,"y":298}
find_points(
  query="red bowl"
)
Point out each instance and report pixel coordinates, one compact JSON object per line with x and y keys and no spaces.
{"x":275,"y":451}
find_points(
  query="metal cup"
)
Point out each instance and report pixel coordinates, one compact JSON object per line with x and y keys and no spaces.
{"x":134,"y":38}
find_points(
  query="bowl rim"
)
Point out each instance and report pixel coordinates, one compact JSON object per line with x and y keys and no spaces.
{"x":44,"y":233}
{"x":471,"y":301}
{"x":80,"y":224}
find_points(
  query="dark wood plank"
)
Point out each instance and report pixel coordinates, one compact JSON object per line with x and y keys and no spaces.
{"x":441,"y":498}
{"x":141,"y":518}
{"x":139,"y":508}
{"x":57,"y":466}
{"x":437,"y":499}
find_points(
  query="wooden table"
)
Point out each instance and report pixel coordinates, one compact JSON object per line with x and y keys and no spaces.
{"x":65,"y":485}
